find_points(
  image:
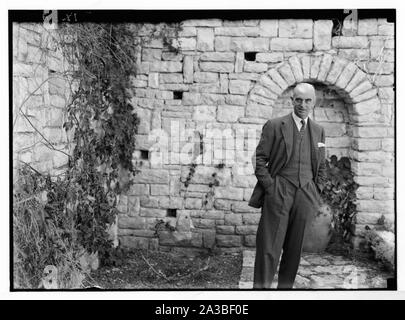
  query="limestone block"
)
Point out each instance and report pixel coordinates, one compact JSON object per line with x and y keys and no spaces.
{"x":366,"y":144}
{"x":222,"y":229}
{"x":386,"y":29}
{"x":239,"y":86}
{"x":259,"y":111}
{"x":145,"y":119}
{"x":187,"y":31}
{"x":230,"y":193}
{"x":243,"y":207}
{"x":244,"y":76}
{"x":370,"y":132}
{"x":230,"y":113}
{"x":223,"y":83}
{"x":277,"y":78}
{"x":256,"y":67}
{"x":217,"y":66}
{"x":152,"y":176}
{"x":249,"y":44}
{"x":357,"y":42}
{"x":286,"y":72}
{"x":239,"y":100}
{"x":204,"y":223}
{"x":315,"y":65}
{"x":361,"y":88}
{"x":246,"y":230}
{"x":295,"y":28}
{"x":383,"y":193}
{"x":336,"y":129}
{"x":324,"y":67}
{"x":322,"y":34}
{"x":149,"y":202}
{"x":380,"y":67}
{"x":188,"y":69}
{"x":370,"y":94}
{"x":204,"y":113}
{"x":222,"y":43}
{"x":205,"y":77}
{"x":193,"y":203}
{"x":249,"y":240}
{"x":336,"y":69}
{"x":388,"y":144}
{"x":367,"y":27}
{"x":218,"y":56}
{"x":150,"y":54}
{"x":165,"y":66}
{"x":264,"y":92}
{"x":355,"y":54}
{"x":379,"y":206}
{"x":270,"y":84}
{"x":205,"y":39}
{"x":387,"y":95}
{"x":237,"y":31}
{"x":358,"y":78}
{"x":251,"y":218}
{"x":202,"y":23}
{"x":171,"y":56}
{"x":159,"y":190}
{"x":287,"y":44}
{"x":269,"y":57}
{"x":213,"y":87}
{"x":367,"y":169}
{"x":239,"y":61}
{"x":296,"y":68}
{"x":364,"y":192}
{"x":221,"y":204}
{"x":153,"y":80}
{"x":171,"y":78}
{"x":228,"y":240}
{"x":372,"y":181}
{"x":134,"y":205}
{"x":346,"y":75}
{"x":152,"y":212}
{"x":268,"y":28}
{"x":187,"y":44}
{"x":306,"y":66}
{"x":131,"y":222}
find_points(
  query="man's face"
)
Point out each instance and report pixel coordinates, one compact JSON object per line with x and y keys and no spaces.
{"x":303,"y":101}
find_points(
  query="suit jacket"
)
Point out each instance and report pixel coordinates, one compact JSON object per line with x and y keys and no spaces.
{"x":274,"y":151}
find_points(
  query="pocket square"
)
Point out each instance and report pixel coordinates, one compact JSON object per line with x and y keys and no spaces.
{"x":321,"y":144}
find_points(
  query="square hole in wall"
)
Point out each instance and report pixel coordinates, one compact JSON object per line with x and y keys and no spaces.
{"x":144,"y":154}
{"x":250,"y":56}
{"x":172,"y":213}
{"x":178,"y":95}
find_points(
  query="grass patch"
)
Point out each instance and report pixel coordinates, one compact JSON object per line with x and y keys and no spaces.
{"x":143,"y":269}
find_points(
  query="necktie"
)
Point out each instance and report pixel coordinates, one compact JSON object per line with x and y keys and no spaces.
{"x":302,"y":127}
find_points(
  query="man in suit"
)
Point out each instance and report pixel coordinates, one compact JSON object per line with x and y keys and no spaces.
{"x":290,"y":169}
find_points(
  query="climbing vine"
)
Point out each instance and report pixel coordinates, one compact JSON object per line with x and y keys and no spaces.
{"x":340,"y":193}
{"x":103,"y":121}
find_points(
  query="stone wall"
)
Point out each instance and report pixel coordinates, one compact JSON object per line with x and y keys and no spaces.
{"x":202,"y":110}
{"x":206,"y":105}
{"x":40,"y":95}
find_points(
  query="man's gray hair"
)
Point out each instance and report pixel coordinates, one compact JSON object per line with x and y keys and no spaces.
{"x":304,"y":87}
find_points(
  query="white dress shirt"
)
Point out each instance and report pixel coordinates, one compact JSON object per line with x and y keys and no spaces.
{"x":297,"y":121}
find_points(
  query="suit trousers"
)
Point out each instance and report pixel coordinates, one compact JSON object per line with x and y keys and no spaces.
{"x":286,"y":212}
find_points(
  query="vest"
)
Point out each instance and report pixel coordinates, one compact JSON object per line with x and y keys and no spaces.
{"x":298,"y":170}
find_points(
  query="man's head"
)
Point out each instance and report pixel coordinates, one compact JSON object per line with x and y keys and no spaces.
{"x":303,"y":99}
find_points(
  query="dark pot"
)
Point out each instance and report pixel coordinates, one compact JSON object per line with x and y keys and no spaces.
{"x":319,"y":232}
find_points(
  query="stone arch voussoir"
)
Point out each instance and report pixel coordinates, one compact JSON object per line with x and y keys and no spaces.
{"x":329,"y":69}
